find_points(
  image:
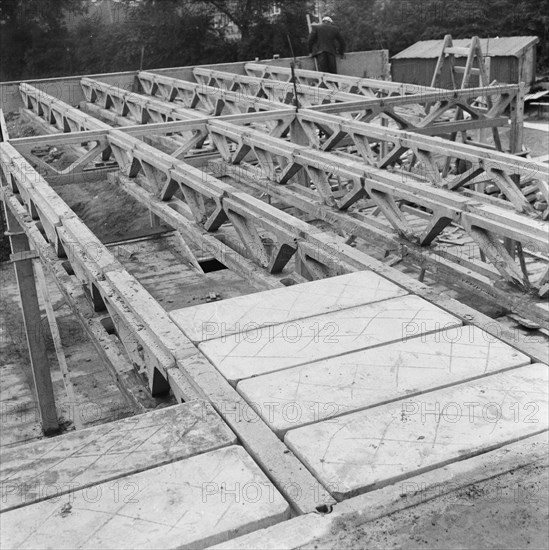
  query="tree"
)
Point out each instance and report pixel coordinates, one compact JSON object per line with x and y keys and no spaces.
{"x":32,"y":36}
{"x":262,"y":34}
{"x":35,"y":41}
{"x":358,"y":22}
{"x":172,"y":35}
{"x":397,"y":24}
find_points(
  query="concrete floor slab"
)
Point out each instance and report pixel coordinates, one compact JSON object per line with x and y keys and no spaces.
{"x":217,"y":319}
{"x":290,"y":344}
{"x":191,"y":503}
{"x":55,"y":466}
{"x":315,"y":391}
{"x":369,"y":449}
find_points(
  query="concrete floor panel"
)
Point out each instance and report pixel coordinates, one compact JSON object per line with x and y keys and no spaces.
{"x":315,"y":391}
{"x":191,"y":503}
{"x":369,"y":449}
{"x":290,"y":344}
{"x":53,"y":467}
{"x":217,"y":319}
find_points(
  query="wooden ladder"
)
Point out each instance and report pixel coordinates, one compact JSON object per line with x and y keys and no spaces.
{"x":474,"y":54}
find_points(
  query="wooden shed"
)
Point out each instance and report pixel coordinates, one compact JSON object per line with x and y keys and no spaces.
{"x":512,"y":60}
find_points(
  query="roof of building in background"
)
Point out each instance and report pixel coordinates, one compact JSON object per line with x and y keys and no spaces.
{"x":536,"y":95}
{"x":494,"y":47}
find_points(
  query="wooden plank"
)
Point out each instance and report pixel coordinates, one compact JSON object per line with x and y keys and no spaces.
{"x":59,"y":140}
{"x":4,"y":134}
{"x":415,"y":435}
{"x":145,"y":129}
{"x":421,"y":98}
{"x":278,"y":347}
{"x":190,"y":503}
{"x":221,"y":319}
{"x":363,"y":379}
{"x":442,"y":128}
{"x":26,"y":285}
{"x":516,"y":135}
{"x":76,"y":460}
{"x":57,"y":343}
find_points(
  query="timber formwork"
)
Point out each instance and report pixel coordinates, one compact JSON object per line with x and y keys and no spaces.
{"x":235,"y":162}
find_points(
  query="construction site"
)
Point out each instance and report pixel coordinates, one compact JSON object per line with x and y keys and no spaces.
{"x":255,"y":305}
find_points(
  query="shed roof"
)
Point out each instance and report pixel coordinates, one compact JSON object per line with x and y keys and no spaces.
{"x":494,"y":47}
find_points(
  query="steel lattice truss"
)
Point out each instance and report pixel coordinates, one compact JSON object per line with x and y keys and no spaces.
{"x":330,"y":158}
{"x":368,"y":87}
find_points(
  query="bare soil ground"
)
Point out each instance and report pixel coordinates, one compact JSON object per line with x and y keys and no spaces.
{"x":98,"y":399}
{"x":509,"y":511}
{"x":537,"y":141}
{"x":107,"y":210}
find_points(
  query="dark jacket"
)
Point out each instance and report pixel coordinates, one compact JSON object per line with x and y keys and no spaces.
{"x":326,"y":37}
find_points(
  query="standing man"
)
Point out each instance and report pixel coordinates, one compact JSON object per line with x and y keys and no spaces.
{"x":325,"y":42}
